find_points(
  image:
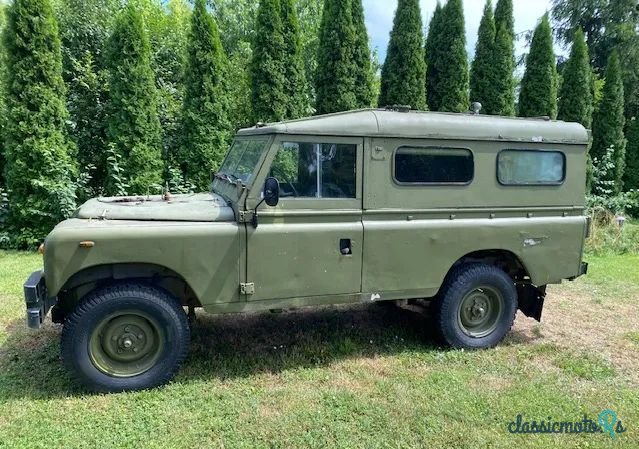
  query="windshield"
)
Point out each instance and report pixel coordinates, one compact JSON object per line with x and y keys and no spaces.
{"x":242,"y":159}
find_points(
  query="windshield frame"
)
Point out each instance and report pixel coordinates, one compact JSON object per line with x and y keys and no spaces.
{"x":230,"y":184}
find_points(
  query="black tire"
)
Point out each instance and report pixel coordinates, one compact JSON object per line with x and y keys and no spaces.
{"x":475,"y":307}
{"x":135,"y":317}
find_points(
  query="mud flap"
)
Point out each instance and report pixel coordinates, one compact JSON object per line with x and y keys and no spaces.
{"x":531,"y":300}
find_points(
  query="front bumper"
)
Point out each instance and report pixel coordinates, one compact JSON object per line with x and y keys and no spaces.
{"x":37,"y":300}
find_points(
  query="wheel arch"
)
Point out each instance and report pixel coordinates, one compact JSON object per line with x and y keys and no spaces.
{"x":501,"y":258}
{"x":90,"y":278}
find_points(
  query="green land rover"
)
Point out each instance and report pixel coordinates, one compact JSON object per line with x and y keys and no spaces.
{"x":476,"y":213}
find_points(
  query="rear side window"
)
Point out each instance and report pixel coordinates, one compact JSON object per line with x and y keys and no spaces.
{"x":433,"y":165}
{"x":530,"y":167}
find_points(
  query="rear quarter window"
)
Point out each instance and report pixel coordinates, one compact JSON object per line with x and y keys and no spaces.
{"x":531,"y":167}
{"x":430,"y":165}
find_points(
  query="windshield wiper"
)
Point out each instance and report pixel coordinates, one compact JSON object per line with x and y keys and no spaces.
{"x":229,"y":177}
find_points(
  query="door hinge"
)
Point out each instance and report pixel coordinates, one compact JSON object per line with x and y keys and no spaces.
{"x":246,"y":216}
{"x":247,"y":288}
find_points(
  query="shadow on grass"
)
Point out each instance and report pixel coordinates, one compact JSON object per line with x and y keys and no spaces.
{"x":232,"y":346}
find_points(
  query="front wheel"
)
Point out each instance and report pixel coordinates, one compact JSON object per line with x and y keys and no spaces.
{"x":125,"y":337}
{"x":476,"y":306}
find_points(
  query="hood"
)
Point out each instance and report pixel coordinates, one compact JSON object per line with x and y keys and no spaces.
{"x":190,"y":207}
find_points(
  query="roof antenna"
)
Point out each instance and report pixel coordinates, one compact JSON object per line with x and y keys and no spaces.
{"x":475,"y":107}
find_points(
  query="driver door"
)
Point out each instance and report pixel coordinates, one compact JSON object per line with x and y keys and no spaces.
{"x":310,"y":244}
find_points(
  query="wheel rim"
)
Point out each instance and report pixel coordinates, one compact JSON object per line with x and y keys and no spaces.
{"x":480,"y":310}
{"x":126,"y":344}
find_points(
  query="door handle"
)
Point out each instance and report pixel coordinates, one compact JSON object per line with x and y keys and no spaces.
{"x":345,"y":247}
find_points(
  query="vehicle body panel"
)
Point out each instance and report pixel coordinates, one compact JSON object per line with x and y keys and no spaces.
{"x":206,"y":255}
{"x":404,"y":238}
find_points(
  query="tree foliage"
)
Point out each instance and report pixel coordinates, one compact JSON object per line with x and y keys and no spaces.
{"x":575,"y":97}
{"x":39,"y":155}
{"x":538,"y":96}
{"x":335,"y":79}
{"x":85,"y":26}
{"x":433,"y":53}
{"x":295,"y":88}
{"x":3,"y":112}
{"x":404,"y":71}
{"x":608,"y":121}
{"x":504,"y":59}
{"x":364,"y":95}
{"x":267,"y":67}
{"x":608,"y":25}
{"x":205,"y":128}
{"x":133,"y":127}
{"x":631,"y":172}
{"x":344,"y":78}
{"x":452,"y":62}
{"x":482,"y":72}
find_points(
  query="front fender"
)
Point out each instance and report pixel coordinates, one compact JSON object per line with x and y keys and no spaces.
{"x":205,"y":254}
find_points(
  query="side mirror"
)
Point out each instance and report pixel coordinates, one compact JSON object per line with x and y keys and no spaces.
{"x":271,"y":192}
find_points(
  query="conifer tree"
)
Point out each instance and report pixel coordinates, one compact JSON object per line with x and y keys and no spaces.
{"x":433,"y":52}
{"x":205,"y":124}
{"x":538,"y":96}
{"x":609,"y":121}
{"x":3,"y":113}
{"x":335,"y":75}
{"x":504,"y":59}
{"x":295,"y":80}
{"x":575,"y":97}
{"x":504,"y":17}
{"x":631,"y":172}
{"x":267,"y":67}
{"x":482,"y":73}
{"x":452,"y":65}
{"x":133,"y":128}
{"x":39,"y":156}
{"x":362,"y":59}
{"x":404,"y":71}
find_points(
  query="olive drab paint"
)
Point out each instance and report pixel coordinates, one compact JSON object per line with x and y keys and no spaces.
{"x":381,"y":240}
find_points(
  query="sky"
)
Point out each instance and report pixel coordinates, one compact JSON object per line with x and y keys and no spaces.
{"x":379,"y":20}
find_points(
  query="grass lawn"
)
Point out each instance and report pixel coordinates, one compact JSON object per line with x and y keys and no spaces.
{"x":358,"y":376}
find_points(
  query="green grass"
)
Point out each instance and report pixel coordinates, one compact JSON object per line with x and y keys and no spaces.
{"x":351,"y":377}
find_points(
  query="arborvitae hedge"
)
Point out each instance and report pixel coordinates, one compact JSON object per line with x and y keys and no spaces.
{"x":538,"y":96}
{"x":39,"y":156}
{"x":297,"y":104}
{"x":267,"y":68}
{"x":504,"y":59}
{"x":482,"y":72}
{"x":205,"y":124}
{"x":609,"y":121}
{"x":335,"y":76}
{"x":575,"y":97}
{"x":133,"y":128}
{"x":361,"y":59}
{"x":405,"y":68}
{"x":433,"y":52}
{"x":452,"y":64}
{"x":631,"y":173}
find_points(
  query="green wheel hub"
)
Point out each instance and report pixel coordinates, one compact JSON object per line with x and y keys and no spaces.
{"x":126,"y":344}
{"x":480,"y":311}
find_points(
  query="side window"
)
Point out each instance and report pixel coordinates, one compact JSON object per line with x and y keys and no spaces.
{"x":316,"y":170}
{"x":433,"y":165}
{"x":526,"y":167}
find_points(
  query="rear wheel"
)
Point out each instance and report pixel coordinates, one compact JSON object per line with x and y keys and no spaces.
{"x":126,"y":337}
{"x":476,"y":306}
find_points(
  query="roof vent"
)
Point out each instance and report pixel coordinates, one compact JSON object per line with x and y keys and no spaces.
{"x":475,"y":107}
{"x":260,"y":125}
{"x":399,"y":108}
